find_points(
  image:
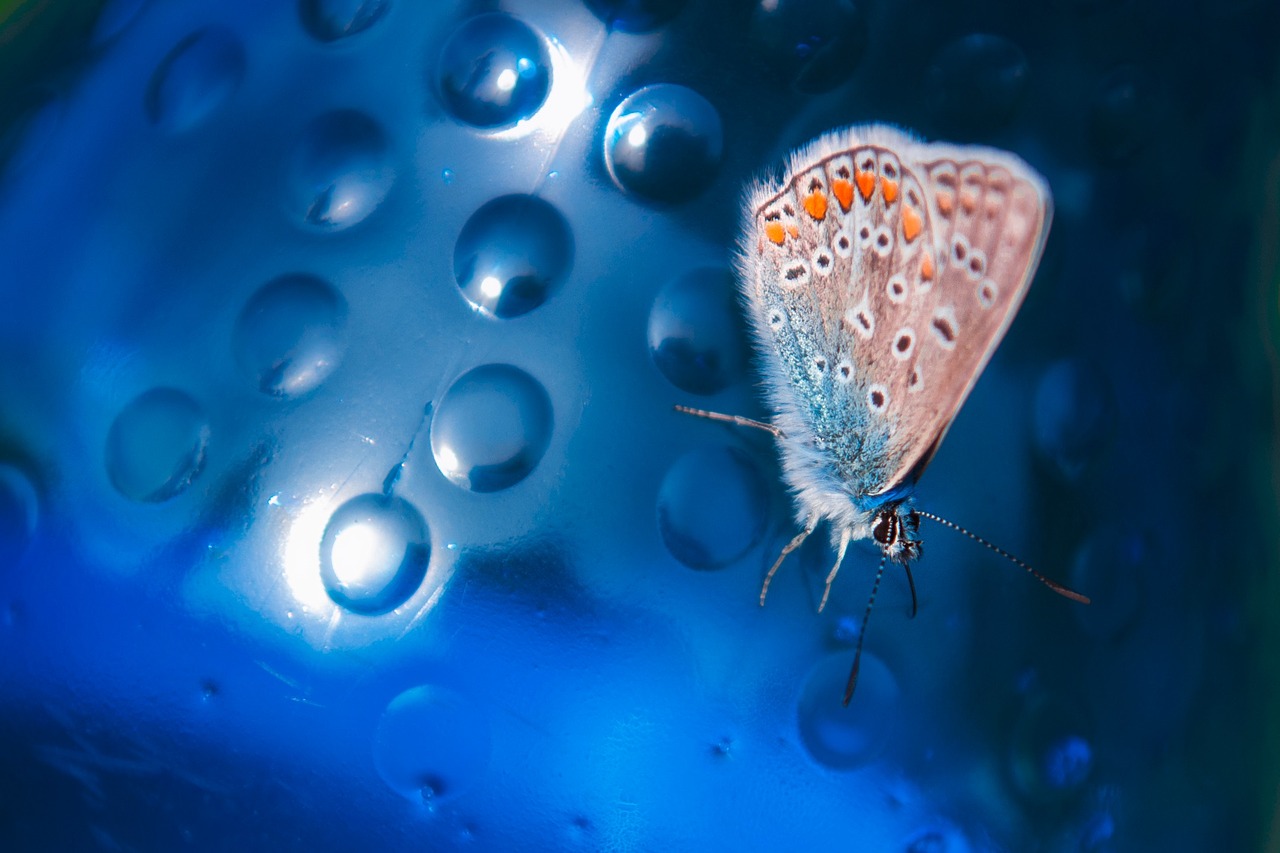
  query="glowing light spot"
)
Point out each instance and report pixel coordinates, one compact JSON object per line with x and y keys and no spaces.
{"x":490,"y":287}
{"x":637,"y":136}
{"x":506,"y":80}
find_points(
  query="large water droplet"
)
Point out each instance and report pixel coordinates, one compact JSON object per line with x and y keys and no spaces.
{"x":635,"y":16}
{"x":494,"y":71}
{"x":432,"y":743}
{"x":289,"y":337}
{"x":815,"y":46}
{"x":696,"y":334}
{"x":374,"y":553}
{"x":19,"y":513}
{"x":664,"y":142}
{"x":1074,"y":415}
{"x":330,"y":20}
{"x":156,"y":446}
{"x":841,"y":737}
{"x":195,"y":78}
{"x":712,"y":507}
{"x":976,"y":84}
{"x":491,"y":428}
{"x":511,"y":254}
{"x":340,"y":171}
{"x":1114,"y":565}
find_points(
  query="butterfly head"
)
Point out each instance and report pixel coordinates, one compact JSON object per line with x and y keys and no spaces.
{"x":894,"y":528}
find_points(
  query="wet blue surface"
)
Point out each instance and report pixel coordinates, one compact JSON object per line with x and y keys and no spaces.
{"x":343,"y":505}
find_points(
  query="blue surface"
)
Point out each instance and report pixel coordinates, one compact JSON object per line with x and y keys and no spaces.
{"x":343,"y":506}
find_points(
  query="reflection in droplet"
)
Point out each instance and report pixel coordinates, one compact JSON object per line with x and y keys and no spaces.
{"x":493,"y":71}
{"x":712,"y":507}
{"x":976,"y":84}
{"x":289,"y":337}
{"x":156,"y":445}
{"x":814,"y":46}
{"x":340,"y":171}
{"x":431,"y":744}
{"x":664,"y":142}
{"x":330,"y":20}
{"x":196,"y":78}
{"x":19,"y":513}
{"x":491,"y":428}
{"x":635,"y":16}
{"x":512,"y":254}
{"x":1074,"y":415}
{"x":374,"y":553}
{"x":696,"y":334}
{"x":844,"y":737}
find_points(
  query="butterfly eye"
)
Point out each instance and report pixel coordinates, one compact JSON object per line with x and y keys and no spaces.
{"x":885,"y":531}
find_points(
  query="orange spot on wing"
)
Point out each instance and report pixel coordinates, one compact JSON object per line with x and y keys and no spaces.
{"x":926,"y":267}
{"x":890,"y":190}
{"x":866,"y":183}
{"x":968,"y":201}
{"x":773,"y":230}
{"x":946,"y":203}
{"x":911,"y":223}
{"x":843,"y":191}
{"x":815,"y":204}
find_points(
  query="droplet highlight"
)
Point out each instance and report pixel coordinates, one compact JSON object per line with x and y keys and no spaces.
{"x":493,"y":71}
{"x":340,"y":171}
{"x":664,"y":143}
{"x":374,"y":553}
{"x":156,"y":445}
{"x":512,"y":254}
{"x":491,"y":428}
{"x":290,"y":335}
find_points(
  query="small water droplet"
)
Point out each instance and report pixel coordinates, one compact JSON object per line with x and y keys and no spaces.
{"x":841,"y":737}
{"x":431,"y":743}
{"x":976,"y":84}
{"x":814,"y":45}
{"x":696,"y":334}
{"x":289,"y":336}
{"x":664,"y":142}
{"x":330,"y":20}
{"x":1074,"y":415}
{"x":512,"y":253}
{"x":447,"y":175}
{"x":493,"y":71}
{"x":635,"y":16}
{"x":340,"y":170}
{"x":712,"y":507}
{"x":1051,"y":754}
{"x":374,"y":553}
{"x":1114,"y":564}
{"x":156,"y":445}
{"x":491,"y":428}
{"x":195,"y":78}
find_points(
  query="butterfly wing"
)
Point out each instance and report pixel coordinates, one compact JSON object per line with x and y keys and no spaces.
{"x":879,"y":279}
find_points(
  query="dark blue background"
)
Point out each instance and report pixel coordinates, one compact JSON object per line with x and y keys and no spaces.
{"x":258,"y":260}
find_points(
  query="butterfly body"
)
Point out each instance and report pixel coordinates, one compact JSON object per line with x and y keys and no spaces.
{"x":879,"y":276}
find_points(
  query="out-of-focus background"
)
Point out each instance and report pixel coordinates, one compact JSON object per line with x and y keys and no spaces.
{"x":342,"y":502}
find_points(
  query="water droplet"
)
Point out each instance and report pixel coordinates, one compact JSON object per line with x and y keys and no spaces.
{"x":289,"y":337}
{"x":1098,"y":833}
{"x":431,"y":744}
{"x":156,"y":446}
{"x":976,"y":84}
{"x":491,"y":428}
{"x":814,"y":46}
{"x":635,"y":16}
{"x":195,"y":79}
{"x":1051,"y":756}
{"x":19,"y":514}
{"x":1113,"y":564}
{"x":941,"y":837}
{"x":340,"y":171}
{"x":1121,"y":116}
{"x":841,"y":737}
{"x":511,"y":254}
{"x":1074,"y":415}
{"x":330,"y":20}
{"x":696,"y":335}
{"x":374,"y":553}
{"x":494,"y":71}
{"x":447,"y":176}
{"x":664,"y":142}
{"x":712,"y":507}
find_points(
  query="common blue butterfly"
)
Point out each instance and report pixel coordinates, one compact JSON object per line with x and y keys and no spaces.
{"x":878,"y":277}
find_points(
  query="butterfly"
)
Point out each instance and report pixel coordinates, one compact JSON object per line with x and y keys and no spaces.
{"x":878,"y":277}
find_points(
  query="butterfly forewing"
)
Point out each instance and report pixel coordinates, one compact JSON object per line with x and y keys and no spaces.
{"x":885,"y":273}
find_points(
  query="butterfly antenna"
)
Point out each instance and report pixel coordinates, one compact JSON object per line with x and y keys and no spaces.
{"x":736,"y":420}
{"x":862,"y":632}
{"x":1053,"y":585}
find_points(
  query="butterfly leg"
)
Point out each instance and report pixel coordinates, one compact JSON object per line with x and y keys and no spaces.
{"x":791,"y":546}
{"x":736,"y":420}
{"x":844,"y":546}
